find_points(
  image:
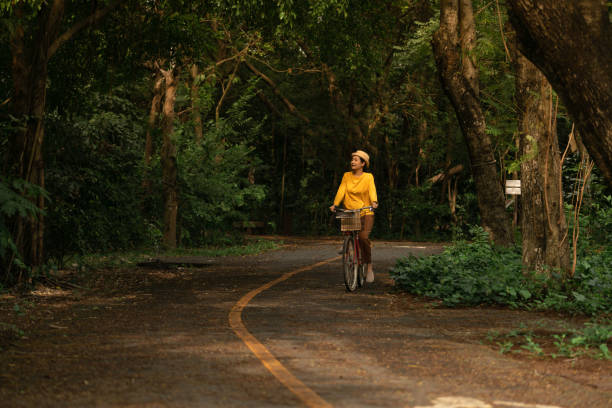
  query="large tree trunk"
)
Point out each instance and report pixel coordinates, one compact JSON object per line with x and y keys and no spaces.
{"x":570,"y":41}
{"x":459,"y":79}
{"x":25,"y":161}
{"x":168,"y":159}
{"x":31,"y":52}
{"x":154,"y":113}
{"x":543,"y":224}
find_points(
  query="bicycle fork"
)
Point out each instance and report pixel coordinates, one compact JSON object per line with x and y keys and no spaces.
{"x":357,"y":248}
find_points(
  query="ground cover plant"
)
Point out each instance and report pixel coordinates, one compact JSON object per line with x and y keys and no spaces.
{"x":592,"y":339}
{"x":477,"y":272}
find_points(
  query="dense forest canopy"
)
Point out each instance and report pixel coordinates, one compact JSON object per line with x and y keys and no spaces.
{"x":169,"y":123}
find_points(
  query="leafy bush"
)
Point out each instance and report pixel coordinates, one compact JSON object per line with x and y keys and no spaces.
{"x":216,"y":176}
{"x":590,"y":290}
{"x":15,"y":202}
{"x":465,"y":273}
{"x":472,"y":273}
{"x":94,"y":176}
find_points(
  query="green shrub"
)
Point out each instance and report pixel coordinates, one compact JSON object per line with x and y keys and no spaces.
{"x":15,"y":202}
{"x":589,"y":291}
{"x":94,"y":176}
{"x":473,"y":273}
{"x":466,"y":274}
{"x":216,"y":177}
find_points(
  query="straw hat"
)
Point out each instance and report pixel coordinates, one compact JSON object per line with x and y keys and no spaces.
{"x":363,"y":155}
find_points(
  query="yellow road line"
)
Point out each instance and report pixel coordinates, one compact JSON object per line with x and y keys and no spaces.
{"x":301,"y":390}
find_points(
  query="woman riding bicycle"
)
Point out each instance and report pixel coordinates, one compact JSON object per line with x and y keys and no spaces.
{"x":357,"y":190}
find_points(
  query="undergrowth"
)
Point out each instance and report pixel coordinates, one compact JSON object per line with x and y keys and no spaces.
{"x":476,"y":272}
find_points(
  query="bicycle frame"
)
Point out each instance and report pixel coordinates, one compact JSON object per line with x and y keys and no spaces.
{"x":353,"y":266}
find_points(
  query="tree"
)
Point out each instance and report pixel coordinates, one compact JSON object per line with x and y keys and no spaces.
{"x":453,"y":44}
{"x":543,"y":224}
{"x":570,"y":42}
{"x":35,"y":37}
{"x":168,"y":157}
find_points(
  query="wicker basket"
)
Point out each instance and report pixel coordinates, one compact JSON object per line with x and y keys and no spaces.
{"x":350,"y":222}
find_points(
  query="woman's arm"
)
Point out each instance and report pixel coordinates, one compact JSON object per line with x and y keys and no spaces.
{"x":340,"y":194}
{"x":372,"y":193}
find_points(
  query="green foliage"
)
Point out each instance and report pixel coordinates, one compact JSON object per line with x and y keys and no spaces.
{"x":420,"y":217}
{"x":16,"y":201}
{"x":465,"y":273}
{"x":214,"y":181}
{"x":590,"y":290}
{"x":472,"y":273}
{"x":7,"y":6}
{"x":94,"y":174}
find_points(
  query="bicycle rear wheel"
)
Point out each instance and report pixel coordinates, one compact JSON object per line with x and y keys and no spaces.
{"x":349,"y":264}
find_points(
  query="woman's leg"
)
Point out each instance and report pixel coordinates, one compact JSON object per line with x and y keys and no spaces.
{"x":367,"y":222}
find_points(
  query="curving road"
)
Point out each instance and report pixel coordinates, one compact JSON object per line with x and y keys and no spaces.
{"x":172,"y":342}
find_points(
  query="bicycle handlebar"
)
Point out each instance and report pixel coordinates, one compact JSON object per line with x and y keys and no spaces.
{"x":356,"y":210}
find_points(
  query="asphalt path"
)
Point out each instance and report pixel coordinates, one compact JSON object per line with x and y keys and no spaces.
{"x":171,"y":343}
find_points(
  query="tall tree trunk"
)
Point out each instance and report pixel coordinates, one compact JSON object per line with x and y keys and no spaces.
{"x":543,"y":224}
{"x":31,"y":52}
{"x":570,"y":42}
{"x":154,"y":112}
{"x":168,"y":159}
{"x":25,"y":161}
{"x":460,"y":81}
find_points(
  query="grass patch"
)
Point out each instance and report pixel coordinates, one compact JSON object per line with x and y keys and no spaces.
{"x":131,"y":258}
{"x":250,"y":248}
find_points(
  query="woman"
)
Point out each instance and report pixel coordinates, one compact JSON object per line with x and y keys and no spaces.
{"x":357,"y":190}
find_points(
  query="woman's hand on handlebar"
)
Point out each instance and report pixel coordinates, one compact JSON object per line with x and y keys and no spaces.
{"x":375,"y":205}
{"x":332,"y":208}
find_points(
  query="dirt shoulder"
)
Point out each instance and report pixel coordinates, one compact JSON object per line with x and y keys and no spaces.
{"x":146,"y":337}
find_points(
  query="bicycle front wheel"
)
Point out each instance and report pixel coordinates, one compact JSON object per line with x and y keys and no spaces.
{"x":361,"y":274}
{"x":349,"y":264}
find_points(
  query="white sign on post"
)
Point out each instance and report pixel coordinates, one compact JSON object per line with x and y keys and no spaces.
{"x":513,"y":187}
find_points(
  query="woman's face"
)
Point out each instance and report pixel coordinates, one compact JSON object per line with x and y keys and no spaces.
{"x":356,"y":163}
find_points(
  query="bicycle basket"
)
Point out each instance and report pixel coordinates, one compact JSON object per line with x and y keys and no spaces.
{"x":349,"y":221}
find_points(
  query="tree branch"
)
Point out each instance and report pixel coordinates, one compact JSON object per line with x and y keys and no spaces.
{"x":268,"y":103}
{"x":229,"y":85}
{"x":92,"y":19}
{"x":274,"y":87}
{"x":444,"y":175}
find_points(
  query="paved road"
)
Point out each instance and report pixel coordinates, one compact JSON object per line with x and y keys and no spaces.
{"x":168,"y":343}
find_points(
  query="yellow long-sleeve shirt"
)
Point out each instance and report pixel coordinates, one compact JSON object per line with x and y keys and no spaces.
{"x":356,"y":191}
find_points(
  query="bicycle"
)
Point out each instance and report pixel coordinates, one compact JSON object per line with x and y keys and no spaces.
{"x":353,"y":268}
